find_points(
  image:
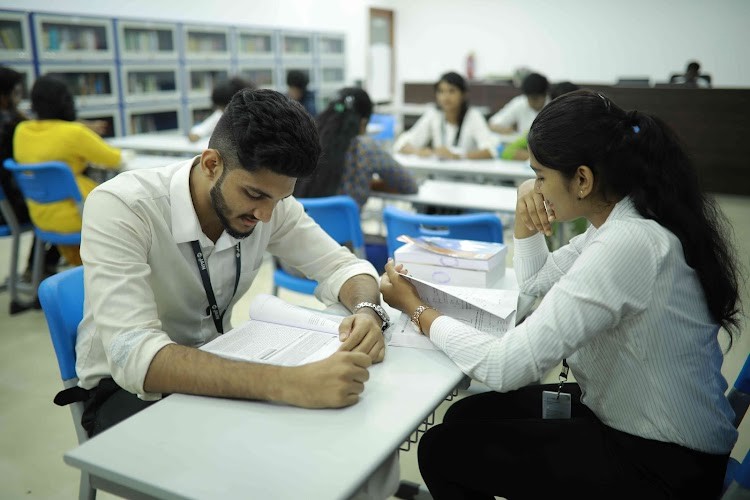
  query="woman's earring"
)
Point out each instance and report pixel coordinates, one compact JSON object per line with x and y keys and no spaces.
{"x":580,"y":194}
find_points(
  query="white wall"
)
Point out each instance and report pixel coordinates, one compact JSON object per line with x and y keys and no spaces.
{"x":588,"y":41}
{"x":581,"y":40}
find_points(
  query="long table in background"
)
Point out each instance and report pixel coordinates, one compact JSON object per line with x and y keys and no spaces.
{"x":463,"y":195}
{"x":502,"y":170}
{"x":160,"y":144}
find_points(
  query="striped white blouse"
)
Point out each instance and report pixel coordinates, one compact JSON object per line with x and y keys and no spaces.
{"x":629,"y":314}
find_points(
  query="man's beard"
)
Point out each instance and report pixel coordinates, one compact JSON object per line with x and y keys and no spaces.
{"x":220,"y":207}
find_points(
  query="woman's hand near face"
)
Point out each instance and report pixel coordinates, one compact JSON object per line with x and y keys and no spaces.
{"x":531,"y":215}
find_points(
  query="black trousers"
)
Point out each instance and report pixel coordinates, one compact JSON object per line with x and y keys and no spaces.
{"x":109,"y":404}
{"x":498,"y":444}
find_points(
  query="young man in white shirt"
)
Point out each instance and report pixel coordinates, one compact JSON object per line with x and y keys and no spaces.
{"x":519,"y":113}
{"x":167,"y":253}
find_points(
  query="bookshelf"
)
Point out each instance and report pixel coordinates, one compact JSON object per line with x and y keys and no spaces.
{"x":206,"y":43}
{"x":15,"y":44}
{"x":146,"y":41}
{"x":91,"y":86}
{"x":145,"y":75}
{"x":73,"y":38}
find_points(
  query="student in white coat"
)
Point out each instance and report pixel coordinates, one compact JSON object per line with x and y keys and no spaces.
{"x":451,"y":130}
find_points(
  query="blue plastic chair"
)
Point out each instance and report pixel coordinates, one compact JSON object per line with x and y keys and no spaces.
{"x":61,"y":297}
{"x":737,"y":479}
{"x":47,"y":182}
{"x":387,"y":124}
{"x":483,"y":226}
{"x":14,"y":229}
{"x":339,"y":217}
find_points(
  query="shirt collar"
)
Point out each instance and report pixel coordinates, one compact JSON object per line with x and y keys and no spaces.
{"x":185,"y":225}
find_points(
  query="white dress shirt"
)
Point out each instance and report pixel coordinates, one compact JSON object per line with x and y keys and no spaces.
{"x":143,"y":286}
{"x":630,"y":316}
{"x":432,"y":128}
{"x":517,"y":112}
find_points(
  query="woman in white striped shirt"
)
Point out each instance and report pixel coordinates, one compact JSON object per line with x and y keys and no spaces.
{"x":634,"y":304}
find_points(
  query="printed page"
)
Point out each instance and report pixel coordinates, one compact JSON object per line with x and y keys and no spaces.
{"x":272,"y":309}
{"x":403,"y":333}
{"x":263,"y":342}
{"x":488,"y":310}
{"x":500,"y":303}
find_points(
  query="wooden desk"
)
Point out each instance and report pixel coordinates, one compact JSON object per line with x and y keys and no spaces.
{"x":462,"y":195}
{"x":501,"y":170}
{"x":164,"y":144}
{"x":200,"y":447}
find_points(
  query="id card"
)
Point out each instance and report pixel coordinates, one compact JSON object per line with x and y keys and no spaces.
{"x":554,"y":406}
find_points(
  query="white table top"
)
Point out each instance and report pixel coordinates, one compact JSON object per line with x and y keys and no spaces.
{"x":512,"y":170}
{"x":459,"y":195}
{"x":200,"y":447}
{"x":160,"y":143}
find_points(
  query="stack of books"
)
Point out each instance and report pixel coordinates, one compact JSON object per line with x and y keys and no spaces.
{"x":448,"y":261}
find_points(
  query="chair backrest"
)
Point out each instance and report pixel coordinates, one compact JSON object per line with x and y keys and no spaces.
{"x":387,"y":124}
{"x":339,"y":217}
{"x":476,"y":226}
{"x":46,"y":182}
{"x":61,"y":297}
{"x":737,"y":479}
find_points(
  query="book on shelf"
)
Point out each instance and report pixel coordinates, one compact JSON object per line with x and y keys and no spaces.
{"x":488,"y":310}
{"x":279,"y":333}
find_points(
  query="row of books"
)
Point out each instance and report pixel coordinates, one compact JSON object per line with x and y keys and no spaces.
{"x":148,"y":40}
{"x":207,"y":42}
{"x":255,"y":43}
{"x":63,"y":37}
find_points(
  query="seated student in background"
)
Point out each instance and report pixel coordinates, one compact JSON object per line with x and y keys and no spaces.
{"x":518,"y":149}
{"x":296,"y":82}
{"x":220,"y":97}
{"x":148,"y":307}
{"x":56,"y":136}
{"x":518,"y":114}
{"x":453,"y":129}
{"x":634,"y":305}
{"x":351,"y":159}
{"x":10,"y":117}
{"x":692,"y":77}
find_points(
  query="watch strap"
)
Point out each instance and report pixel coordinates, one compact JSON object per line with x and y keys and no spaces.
{"x":378,"y":310}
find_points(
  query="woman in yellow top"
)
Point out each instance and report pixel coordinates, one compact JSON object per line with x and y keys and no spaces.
{"x":56,"y":136}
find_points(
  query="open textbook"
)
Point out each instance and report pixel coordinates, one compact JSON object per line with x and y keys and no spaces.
{"x":279,"y":333}
{"x":488,"y":310}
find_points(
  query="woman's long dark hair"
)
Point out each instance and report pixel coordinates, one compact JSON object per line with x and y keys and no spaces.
{"x":51,"y":100}
{"x":453,"y":78}
{"x":338,"y":125}
{"x":635,"y":154}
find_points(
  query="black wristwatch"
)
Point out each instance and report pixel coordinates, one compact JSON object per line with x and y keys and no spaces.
{"x":379,"y":310}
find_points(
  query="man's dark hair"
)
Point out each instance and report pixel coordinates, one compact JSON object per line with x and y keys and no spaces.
{"x":51,"y":100}
{"x":297,"y":79}
{"x":263,"y":129}
{"x":225,"y":89}
{"x":535,"y":84}
{"x":693,"y":66}
{"x":9,"y":78}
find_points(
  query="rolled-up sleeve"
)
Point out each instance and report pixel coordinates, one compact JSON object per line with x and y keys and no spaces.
{"x":115,"y":244}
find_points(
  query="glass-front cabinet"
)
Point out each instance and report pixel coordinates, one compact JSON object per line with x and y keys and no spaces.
{"x":147,"y":41}
{"x":74,"y":37}
{"x":149,"y":83}
{"x":150,"y":119}
{"x":15,"y":44}
{"x":206,"y":43}
{"x":203,"y":79}
{"x":90,"y":85}
{"x":262,"y":77}
{"x":256,"y":44}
